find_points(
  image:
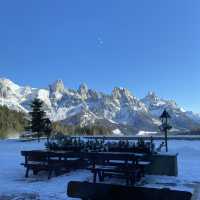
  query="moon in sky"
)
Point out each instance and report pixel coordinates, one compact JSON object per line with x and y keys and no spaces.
{"x":100,"y":41}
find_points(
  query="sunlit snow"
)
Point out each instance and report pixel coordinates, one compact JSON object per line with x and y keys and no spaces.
{"x":12,"y":179}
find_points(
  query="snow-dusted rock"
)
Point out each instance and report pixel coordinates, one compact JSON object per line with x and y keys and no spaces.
{"x":179,"y":117}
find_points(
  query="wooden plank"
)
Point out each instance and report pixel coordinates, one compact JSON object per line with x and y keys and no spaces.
{"x":99,"y":191}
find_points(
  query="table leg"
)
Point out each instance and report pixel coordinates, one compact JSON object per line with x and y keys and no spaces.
{"x":95,"y":176}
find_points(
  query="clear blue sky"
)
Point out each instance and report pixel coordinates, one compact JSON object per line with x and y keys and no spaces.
{"x":142,"y":45}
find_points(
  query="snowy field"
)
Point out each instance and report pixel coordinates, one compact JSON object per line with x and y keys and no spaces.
{"x":14,"y":186}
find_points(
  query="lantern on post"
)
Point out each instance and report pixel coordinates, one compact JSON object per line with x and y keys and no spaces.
{"x":165,"y":125}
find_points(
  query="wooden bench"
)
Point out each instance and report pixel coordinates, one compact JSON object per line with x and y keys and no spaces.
{"x":121,"y":164}
{"x":46,"y":161}
{"x":132,"y":175}
{"x":99,"y":191}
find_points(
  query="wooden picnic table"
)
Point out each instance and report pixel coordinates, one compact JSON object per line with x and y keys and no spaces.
{"x":126,"y":165}
{"x":53,"y":160}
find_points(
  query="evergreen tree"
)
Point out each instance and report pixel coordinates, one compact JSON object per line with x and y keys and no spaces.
{"x":37,"y":117}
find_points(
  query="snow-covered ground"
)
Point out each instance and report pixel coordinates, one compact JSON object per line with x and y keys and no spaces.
{"x":188,"y":167}
{"x":13,"y":183}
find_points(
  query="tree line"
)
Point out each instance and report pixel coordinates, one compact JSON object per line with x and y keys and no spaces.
{"x":93,"y":129}
{"x":37,"y":122}
{"x":11,"y":121}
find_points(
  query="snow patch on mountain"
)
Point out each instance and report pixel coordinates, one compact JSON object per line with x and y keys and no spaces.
{"x":146,"y":133}
{"x":117,"y":132}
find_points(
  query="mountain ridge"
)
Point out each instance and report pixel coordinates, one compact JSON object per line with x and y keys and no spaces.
{"x":85,"y":106}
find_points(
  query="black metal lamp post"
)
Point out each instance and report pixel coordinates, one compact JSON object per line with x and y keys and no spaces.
{"x":165,"y":125}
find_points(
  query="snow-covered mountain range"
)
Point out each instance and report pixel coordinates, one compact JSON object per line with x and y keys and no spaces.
{"x":120,"y":110}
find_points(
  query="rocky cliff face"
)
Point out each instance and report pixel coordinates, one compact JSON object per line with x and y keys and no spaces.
{"x":119,"y":110}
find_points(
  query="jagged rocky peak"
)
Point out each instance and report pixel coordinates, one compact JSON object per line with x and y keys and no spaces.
{"x":83,"y":90}
{"x":8,"y":84}
{"x":173,"y":105}
{"x":151,"y":99}
{"x":119,"y":92}
{"x":57,"y":86}
{"x":152,"y":96}
{"x":8,"y":89}
{"x":94,"y":94}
